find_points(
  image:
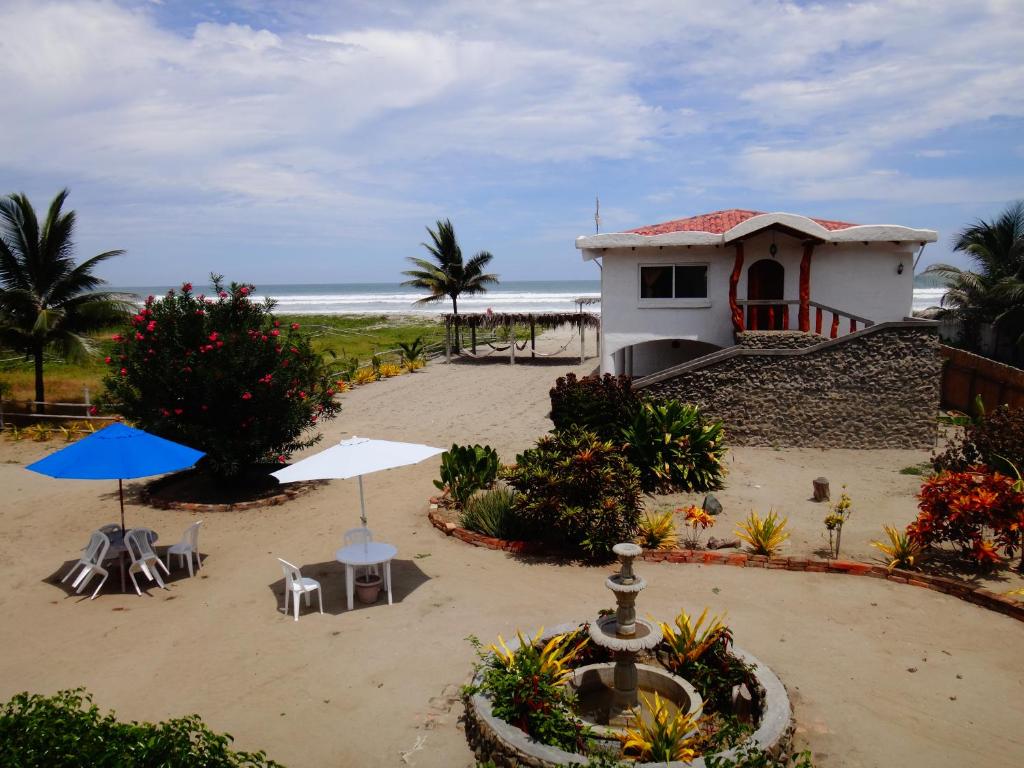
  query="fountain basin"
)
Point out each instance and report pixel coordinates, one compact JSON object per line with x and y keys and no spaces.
{"x":594,"y":688}
{"x":605,"y":633}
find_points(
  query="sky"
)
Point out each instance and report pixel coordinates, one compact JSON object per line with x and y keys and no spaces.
{"x":298,"y":142}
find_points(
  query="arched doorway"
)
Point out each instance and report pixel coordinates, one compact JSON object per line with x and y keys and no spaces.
{"x":766,"y":280}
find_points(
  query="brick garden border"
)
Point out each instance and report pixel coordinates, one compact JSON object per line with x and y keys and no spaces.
{"x":977,"y":595}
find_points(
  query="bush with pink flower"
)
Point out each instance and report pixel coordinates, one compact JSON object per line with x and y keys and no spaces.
{"x":221,"y":375}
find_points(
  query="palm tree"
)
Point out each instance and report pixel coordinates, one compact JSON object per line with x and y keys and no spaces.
{"x":994,"y":292}
{"x":446,"y":276}
{"x":46,"y":301}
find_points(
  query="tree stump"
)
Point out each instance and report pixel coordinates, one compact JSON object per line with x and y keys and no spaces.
{"x":821,"y":489}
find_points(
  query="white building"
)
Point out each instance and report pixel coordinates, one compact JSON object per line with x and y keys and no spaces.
{"x":679,"y":290}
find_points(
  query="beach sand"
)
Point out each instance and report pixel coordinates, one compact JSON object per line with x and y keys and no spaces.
{"x":880,"y":674}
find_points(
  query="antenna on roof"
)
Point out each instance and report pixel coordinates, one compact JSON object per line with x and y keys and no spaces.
{"x":597,"y":215}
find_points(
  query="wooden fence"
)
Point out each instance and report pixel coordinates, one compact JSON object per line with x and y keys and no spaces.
{"x":965,"y":376}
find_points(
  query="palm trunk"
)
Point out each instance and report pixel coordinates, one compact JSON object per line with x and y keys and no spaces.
{"x":455,"y":318}
{"x":37,"y":355}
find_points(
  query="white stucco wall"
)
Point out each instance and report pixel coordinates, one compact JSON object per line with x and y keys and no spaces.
{"x":856,"y":278}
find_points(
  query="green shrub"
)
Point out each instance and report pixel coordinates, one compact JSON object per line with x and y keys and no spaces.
{"x":221,"y":375}
{"x":673,"y":449}
{"x":68,"y":730}
{"x":466,"y":469}
{"x":576,"y":491}
{"x":602,"y":404}
{"x":994,"y":439}
{"x":491,"y":513}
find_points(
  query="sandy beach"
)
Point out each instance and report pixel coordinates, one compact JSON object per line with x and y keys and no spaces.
{"x":880,"y":674}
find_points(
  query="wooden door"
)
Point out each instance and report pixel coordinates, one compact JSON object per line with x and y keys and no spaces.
{"x":766,"y":280}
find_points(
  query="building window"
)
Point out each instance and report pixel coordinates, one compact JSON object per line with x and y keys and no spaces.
{"x":674,"y":281}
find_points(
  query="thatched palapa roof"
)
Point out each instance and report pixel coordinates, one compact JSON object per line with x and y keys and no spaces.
{"x":539,"y":319}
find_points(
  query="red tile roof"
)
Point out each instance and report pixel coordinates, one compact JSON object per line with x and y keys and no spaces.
{"x":720,"y":222}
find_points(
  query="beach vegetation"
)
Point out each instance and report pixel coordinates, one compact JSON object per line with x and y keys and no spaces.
{"x":661,"y":735}
{"x":901,"y":551}
{"x":48,"y":302}
{"x":526,"y":687}
{"x":979,"y":512}
{"x":491,"y":513}
{"x":657,"y":530}
{"x":67,"y":729}
{"x":749,"y":755}
{"x":413,"y":354}
{"x":466,"y":469}
{"x":444,"y":273}
{"x":222,"y":375}
{"x":994,"y":440}
{"x":602,"y":404}
{"x":764,"y":535}
{"x":673,"y":448}
{"x":576,"y":491}
{"x":993,"y":291}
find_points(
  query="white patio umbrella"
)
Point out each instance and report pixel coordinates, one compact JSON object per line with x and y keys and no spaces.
{"x":356,"y":457}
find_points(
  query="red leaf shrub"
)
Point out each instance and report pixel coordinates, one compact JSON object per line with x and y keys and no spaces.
{"x":976,"y":510}
{"x":202,"y":372}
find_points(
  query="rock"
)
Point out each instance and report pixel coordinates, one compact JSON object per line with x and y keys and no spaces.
{"x":712,"y":505}
{"x":821,"y":489}
{"x":714,"y":543}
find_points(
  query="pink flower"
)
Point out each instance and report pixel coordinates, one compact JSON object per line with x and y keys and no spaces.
{"x":93,"y":410}
{"x":213,"y":336}
{"x":274,"y":332}
{"x":244,"y":290}
{"x":277,"y":323}
{"x":178,"y":411}
{"x":223,"y":294}
{"x":116,"y":337}
{"x":186,"y":287}
{"x":107,"y":359}
{"x":220,"y":344}
{"x":139,"y":336}
{"x":124,"y":371}
{"x":247,"y":396}
{"x":295,"y":326}
{"x":302,"y":395}
{"x":151,"y":326}
{"x":280,"y":459}
{"x":200,"y":312}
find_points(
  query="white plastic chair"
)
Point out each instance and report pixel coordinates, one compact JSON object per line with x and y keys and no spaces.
{"x":187,"y":548}
{"x":361,"y":536}
{"x":95,"y":553}
{"x":144,"y":559}
{"x":296,"y":584}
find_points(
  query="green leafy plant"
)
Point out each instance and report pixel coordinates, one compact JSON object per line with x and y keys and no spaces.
{"x":673,"y":449}
{"x":901,"y":551}
{"x":691,"y":639}
{"x":835,"y":520}
{"x":751,"y":756}
{"x":412,"y":353}
{"x":576,"y":491}
{"x":994,"y":440}
{"x":67,"y":729}
{"x":222,"y":375}
{"x":764,"y":536}
{"x":526,"y":687}
{"x":466,"y":469}
{"x":492,"y":513}
{"x":602,"y":404}
{"x":657,"y":531}
{"x":661,"y":736}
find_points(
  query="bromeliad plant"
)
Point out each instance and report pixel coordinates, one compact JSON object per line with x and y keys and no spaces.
{"x":901,"y":551}
{"x":657,"y":531}
{"x":466,"y":469}
{"x":764,"y":536}
{"x":691,"y":639}
{"x":527,"y":689}
{"x":674,"y":449}
{"x":661,"y":736}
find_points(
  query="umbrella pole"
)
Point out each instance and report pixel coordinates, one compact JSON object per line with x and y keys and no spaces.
{"x":120,"y":494}
{"x":362,"y":502}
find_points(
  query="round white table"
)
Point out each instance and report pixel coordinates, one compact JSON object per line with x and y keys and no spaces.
{"x":370,"y":553}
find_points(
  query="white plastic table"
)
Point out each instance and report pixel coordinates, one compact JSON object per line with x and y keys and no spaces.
{"x":370,"y":553}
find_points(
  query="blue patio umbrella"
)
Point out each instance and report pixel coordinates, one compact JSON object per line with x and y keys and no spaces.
{"x":117,"y":452}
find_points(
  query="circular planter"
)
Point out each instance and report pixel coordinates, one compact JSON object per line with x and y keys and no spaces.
{"x":368,"y":589}
{"x":494,"y":739}
{"x":152,"y":493}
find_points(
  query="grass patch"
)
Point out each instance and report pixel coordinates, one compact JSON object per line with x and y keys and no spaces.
{"x":924,"y":468}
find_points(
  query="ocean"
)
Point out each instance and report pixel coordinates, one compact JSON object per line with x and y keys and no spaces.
{"x":392,"y":298}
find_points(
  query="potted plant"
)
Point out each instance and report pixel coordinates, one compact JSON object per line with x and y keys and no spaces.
{"x":367,"y":587}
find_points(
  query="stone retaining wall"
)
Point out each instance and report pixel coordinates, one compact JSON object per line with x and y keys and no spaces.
{"x":875,"y":388}
{"x":777,"y":339}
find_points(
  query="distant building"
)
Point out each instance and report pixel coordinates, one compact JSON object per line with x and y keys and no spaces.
{"x":677,"y":291}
